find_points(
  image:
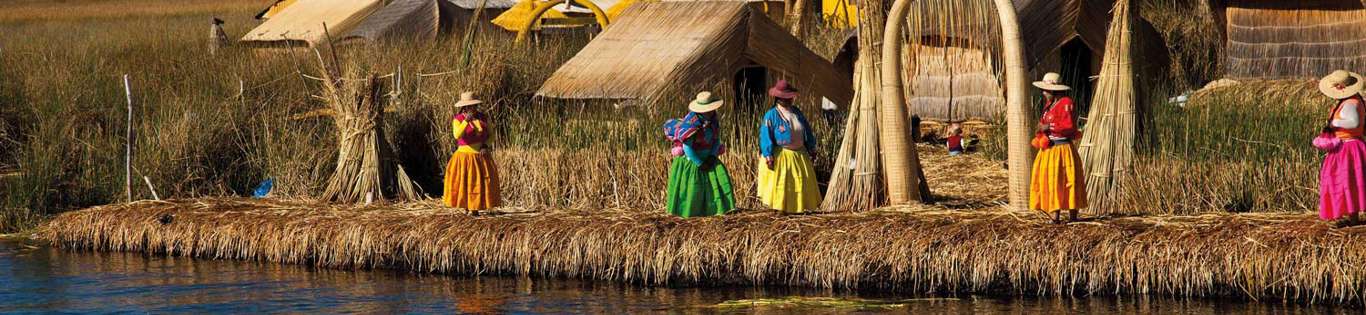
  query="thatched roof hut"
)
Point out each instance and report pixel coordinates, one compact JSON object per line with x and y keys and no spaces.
{"x":299,"y":23}
{"x":671,"y":49}
{"x":1291,"y":39}
{"x":952,"y":52}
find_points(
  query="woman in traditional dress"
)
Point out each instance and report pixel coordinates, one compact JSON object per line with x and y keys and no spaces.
{"x":698,"y":184}
{"x":1057,"y":183}
{"x":1342,"y":180}
{"x":786,"y":179}
{"x":471,"y":177}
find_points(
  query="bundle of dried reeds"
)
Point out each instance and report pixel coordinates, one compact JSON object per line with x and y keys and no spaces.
{"x":923,"y":249}
{"x":367,"y":167}
{"x":858,"y":182}
{"x":1107,"y":146}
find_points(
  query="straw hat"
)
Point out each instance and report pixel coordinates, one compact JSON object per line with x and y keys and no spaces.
{"x":783,"y":90}
{"x":1052,"y":81}
{"x":705,"y":103}
{"x":467,"y":99}
{"x":1352,"y":84}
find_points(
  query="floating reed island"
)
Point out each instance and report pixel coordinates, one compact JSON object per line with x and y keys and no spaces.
{"x":922,"y":249}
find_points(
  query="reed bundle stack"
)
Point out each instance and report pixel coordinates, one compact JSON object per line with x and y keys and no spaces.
{"x":921,"y":249}
{"x":1107,"y":144}
{"x":367,"y":166}
{"x":217,"y":38}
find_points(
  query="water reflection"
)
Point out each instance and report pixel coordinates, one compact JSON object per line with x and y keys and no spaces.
{"x":43,"y":279}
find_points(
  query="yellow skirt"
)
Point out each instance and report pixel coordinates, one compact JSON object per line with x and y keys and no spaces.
{"x":790,"y":186}
{"x":1057,"y":183}
{"x":471,"y":182}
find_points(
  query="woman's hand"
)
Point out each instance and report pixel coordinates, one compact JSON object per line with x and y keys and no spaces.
{"x":769,"y":161}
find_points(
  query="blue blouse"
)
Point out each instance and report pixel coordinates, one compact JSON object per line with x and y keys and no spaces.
{"x":775,"y":132}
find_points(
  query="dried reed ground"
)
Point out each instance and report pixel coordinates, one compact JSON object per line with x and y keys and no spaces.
{"x":920,"y":249}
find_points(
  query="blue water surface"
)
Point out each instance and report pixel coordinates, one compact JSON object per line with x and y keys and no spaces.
{"x":35,"y":278}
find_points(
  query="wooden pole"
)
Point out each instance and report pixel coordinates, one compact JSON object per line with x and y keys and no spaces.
{"x":900,"y":159}
{"x":128,"y":144}
{"x":1019,"y":119}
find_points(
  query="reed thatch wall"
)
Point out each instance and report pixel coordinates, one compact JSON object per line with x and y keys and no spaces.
{"x":659,"y":50}
{"x":1293,"y":39}
{"x":953,"y":53}
{"x":952,"y":61}
{"x":1268,"y":257}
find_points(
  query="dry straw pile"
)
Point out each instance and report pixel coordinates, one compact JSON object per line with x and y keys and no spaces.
{"x":1256,"y":256}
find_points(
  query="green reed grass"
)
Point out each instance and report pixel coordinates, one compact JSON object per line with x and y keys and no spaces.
{"x":1240,"y":148}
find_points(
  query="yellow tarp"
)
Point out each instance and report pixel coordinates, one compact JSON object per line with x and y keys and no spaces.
{"x":515,"y":17}
{"x":840,"y":13}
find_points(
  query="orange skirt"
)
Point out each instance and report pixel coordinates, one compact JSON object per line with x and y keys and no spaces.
{"x":1057,"y":182}
{"x":471,"y":182}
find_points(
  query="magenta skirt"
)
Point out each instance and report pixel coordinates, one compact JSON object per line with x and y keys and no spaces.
{"x":1342,"y":181}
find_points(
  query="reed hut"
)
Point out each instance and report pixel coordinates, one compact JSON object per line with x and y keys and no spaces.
{"x":661,"y":50}
{"x":300,"y":23}
{"x":952,"y":52}
{"x":1291,"y":39}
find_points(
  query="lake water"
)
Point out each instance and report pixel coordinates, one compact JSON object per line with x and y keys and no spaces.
{"x":40,"y":279}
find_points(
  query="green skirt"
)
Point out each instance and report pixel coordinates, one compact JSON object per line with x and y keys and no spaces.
{"x":699,"y":191}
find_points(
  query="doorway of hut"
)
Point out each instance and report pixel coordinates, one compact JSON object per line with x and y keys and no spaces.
{"x":1078,"y":66}
{"x":751,"y":85}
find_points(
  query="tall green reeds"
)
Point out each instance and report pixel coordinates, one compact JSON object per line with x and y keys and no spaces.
{"x":1240,"y":148}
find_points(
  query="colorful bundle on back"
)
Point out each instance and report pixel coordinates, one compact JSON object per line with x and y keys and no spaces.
{"x":671,"y":132}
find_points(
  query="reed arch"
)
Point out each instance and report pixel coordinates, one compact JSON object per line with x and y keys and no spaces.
{"x":1018,"y":116}
{"x":598,"y":14}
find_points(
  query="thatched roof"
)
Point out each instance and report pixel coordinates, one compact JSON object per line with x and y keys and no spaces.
{"x":302,"y":22}
{"x":660,"y":49}
{"x":401,"y":19}
{"x":1293,"y":39}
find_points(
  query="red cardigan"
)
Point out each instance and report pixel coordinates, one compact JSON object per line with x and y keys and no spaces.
{"x":1060,"y":119}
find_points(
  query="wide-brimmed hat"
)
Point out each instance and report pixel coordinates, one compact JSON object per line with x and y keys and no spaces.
{"x":783,"y":90}
{"x":1352,"y":84}
{"x":705,"y":102}
{"x":1052,"y":81}
{"x":467,"y":99}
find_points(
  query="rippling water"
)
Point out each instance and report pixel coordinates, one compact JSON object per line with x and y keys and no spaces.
{"x":41,"y":279}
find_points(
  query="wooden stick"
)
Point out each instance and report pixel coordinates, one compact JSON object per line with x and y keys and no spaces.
{"x":149,"y":187}
{"x":128,"y":144}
